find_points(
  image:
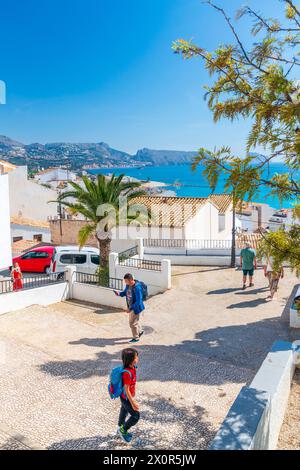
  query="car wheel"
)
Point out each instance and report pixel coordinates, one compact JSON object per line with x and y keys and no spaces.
{"x":47,"y":270}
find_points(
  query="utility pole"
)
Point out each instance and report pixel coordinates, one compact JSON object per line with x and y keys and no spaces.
{"x":233,"y":244}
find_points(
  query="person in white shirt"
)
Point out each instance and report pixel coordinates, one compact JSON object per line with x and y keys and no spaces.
{"x":273,"y":276}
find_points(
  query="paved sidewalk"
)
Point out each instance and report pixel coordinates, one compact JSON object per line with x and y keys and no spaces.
{"x":204,"y":340}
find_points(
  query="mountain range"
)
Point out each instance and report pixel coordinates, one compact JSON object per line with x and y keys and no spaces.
{"x":85,"y":155}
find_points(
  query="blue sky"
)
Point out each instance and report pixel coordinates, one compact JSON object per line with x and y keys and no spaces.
{"x":103,"y":70}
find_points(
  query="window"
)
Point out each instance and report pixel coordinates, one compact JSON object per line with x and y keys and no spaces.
{"x":66,"y":259}
{"x":70,"y":258}
{"x":38,"y":237}
{"x":95,"y":259}
{"x":29,"y":255}
{"x":41,"y":254}
{"x":17,"y":239}
{"x":79,"y":259}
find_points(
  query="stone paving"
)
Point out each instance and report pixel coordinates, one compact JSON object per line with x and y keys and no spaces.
{"x":204,"y":340}
{"x":289,"y":438}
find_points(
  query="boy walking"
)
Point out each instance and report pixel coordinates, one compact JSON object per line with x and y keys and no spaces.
{"x":135,"y":305}
{"x":248,"y":264}
{"x":129,"y":406}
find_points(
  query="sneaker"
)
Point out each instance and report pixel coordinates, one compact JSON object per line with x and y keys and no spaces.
{"x":251,"y":285}
{"x":133,"y":340}
{"x":141,"y":333}
{"x":244,"y":286}
{"x":128,"y":433}
{"x":124,"y":434}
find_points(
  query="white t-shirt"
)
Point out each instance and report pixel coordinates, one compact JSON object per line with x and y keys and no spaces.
{"x":270,"y":265}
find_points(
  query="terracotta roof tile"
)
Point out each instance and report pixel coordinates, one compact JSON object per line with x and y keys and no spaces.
{"x":171,"y":211}
{"x":29,"y":222}
{"x":222,"y":201}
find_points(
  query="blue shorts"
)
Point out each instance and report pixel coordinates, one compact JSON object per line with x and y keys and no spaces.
{"x":248,"y":271}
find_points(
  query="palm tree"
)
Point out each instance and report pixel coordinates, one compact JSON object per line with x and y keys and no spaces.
{"x":99,"y":202}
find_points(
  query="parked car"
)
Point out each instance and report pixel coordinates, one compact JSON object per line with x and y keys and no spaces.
{"x":36,"y":260}
{"x":86,"y":260}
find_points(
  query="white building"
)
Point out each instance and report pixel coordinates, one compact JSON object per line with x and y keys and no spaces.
{"x":29,"y":199}
{"x":181,"y":218}
{"x":5,"y":241}
{"x":54,"y":176}
{"x":29,"y":230}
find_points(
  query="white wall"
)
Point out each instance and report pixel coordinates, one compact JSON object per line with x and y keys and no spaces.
{"x":132,"y":233}
{"x":205,"y":224}
{"x":27,"y":232}
{"x":255,"y":418}
{"x":45,"y":295}
{"x":57,"y":174}
{"x":194,"y":260}
{"x":28,"y":198}
{"x":97,"y":295}
{"x":5,"y":240}
{"x":122,"y":245}
{"x":157,"y":281}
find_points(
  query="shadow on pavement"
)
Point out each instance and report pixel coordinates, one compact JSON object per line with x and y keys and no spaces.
{"x":197,"y":361}
{"x":163,"y":425}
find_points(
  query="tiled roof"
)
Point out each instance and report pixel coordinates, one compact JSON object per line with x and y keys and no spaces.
{"x":222,"y":201}
{"x":171,"y":211}
{"x":23,"y":245}
{"x":28,"y":222}
{"x":252,"y":238}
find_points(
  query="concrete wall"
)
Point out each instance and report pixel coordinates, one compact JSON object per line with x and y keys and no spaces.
{"x":97,"y":295}
{"x":29,"y":199}
{"x":157,"y":281}
{"x":5,"y":237}
{"x":45,"y":295}
{"x":193,"y":260}
{"x":255,"y":418}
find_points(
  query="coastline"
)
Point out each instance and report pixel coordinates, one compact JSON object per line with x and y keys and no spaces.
{"x":181,"y":180}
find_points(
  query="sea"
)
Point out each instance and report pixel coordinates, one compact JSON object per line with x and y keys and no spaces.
{"x":194,"y":184}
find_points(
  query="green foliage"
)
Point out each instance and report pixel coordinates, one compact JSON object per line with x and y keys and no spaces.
{"x":87,"y":199}
{"x":283,"y":246}
{"x":106,"y":195}
{"x":258,"y":85}
{"x":103,"y":275}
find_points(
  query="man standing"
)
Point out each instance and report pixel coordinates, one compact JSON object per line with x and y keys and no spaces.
{"x":135,"y":305}
{"x":248,"y":264}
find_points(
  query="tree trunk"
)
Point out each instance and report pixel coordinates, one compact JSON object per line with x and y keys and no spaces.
{"x":105,"y":248}
{"x":233,"y":250}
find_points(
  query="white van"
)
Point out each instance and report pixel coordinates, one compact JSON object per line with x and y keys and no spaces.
{"x":86,"y":260}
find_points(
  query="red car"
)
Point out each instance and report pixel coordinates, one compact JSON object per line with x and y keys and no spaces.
{"x":37,"y":260}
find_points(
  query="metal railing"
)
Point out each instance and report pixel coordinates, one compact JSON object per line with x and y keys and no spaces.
{"x":31,"y":282}
{"x":95,"y":280}
{"x":187,"y":244}
{"x":141,"y":264}
{"x":128,"y":253}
